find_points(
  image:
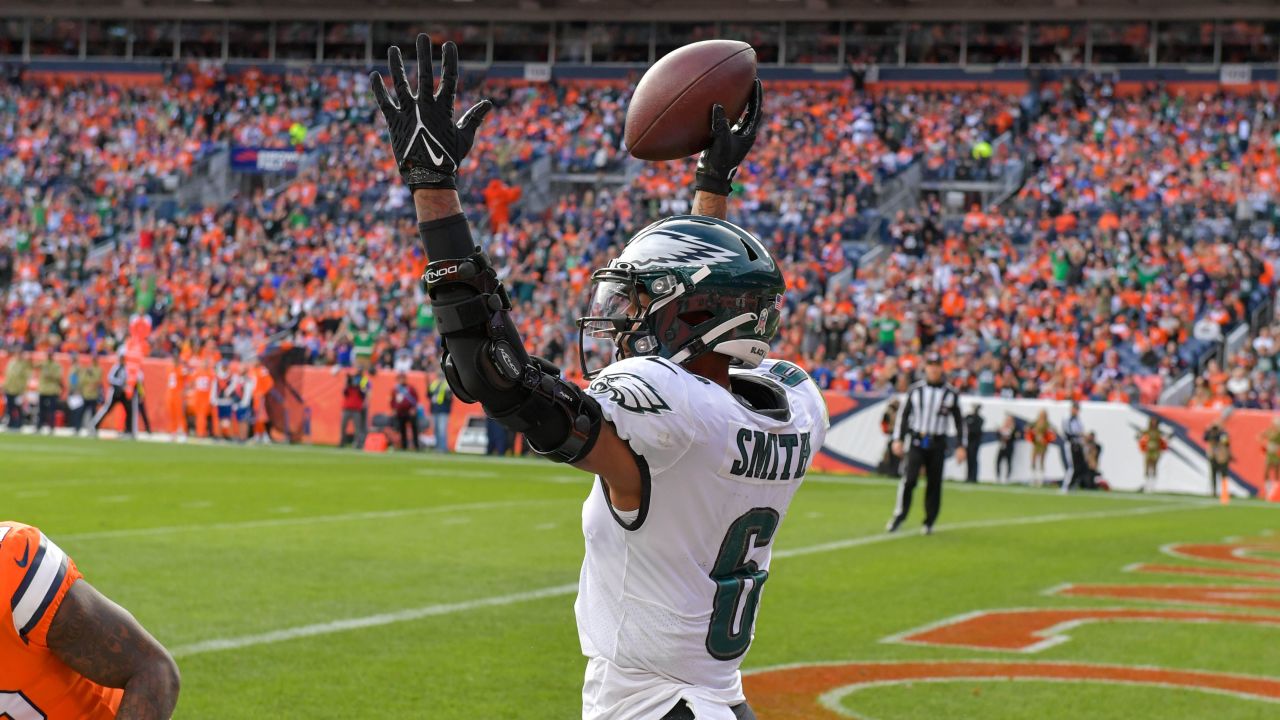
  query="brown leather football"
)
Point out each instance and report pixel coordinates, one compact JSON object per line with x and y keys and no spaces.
{"x":670,"y":113}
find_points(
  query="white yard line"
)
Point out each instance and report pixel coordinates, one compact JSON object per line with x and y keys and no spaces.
{"x":49,"y":449}
{"x":336,"y":626}
{"x":285,"y":522}
{"x":278,"y":636}
{"x":455,"y":472}
{"x":1045,"y":492}
{"x":978,"y":524}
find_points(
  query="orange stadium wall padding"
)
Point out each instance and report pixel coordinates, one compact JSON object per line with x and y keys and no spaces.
{"x":1124,"y":88}
{"x":321,"y":388}
{"x":155,"y":375}
{"x":318,"y":388}
{"x":856,"y":441}
{"x":123,"y":79}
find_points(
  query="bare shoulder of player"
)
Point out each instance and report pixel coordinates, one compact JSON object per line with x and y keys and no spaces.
{"x":646,"y":399}
{"x":33,"y":578}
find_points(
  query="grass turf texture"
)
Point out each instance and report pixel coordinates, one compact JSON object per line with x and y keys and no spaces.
{"x":206,"y":543}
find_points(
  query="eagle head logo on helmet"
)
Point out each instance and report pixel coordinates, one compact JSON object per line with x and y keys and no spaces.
{"x":683,"y":287}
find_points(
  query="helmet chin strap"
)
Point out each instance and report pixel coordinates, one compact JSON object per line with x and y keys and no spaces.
{"x":706,"y":338}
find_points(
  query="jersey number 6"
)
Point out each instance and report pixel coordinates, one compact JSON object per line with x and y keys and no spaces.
{"x":730,"y":631}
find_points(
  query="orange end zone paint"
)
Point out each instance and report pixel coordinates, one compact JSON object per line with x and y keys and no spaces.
{"x":1031,"y":630}
{"x":1234,"y":553}
{"x":1161,"y":569}
{"x":793,"y":693}
{"x":1242,"y":596}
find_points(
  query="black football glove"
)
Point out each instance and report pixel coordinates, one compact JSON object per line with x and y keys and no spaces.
{"x":428,"y":145}
{"x":719,"y":163}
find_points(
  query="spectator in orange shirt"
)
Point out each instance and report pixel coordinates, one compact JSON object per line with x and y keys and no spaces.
{"x":498,"y":198}
{"x":175,"y":394}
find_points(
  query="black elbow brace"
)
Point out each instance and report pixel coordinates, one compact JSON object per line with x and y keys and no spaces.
{"x":559,"y":420}
{"x":485,"y":360}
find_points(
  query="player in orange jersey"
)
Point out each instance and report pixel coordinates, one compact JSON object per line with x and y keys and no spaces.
{"x":66,"y":651}
{"x":261,"y":384}
{"x":175,"y":392}
{"x":201,"y":401}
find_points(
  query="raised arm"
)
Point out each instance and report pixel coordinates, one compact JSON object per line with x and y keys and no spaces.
{"x":483,"y":358}
{"x":103,"y":642}
{"x":710,"y":204}
{"x":718,"y":164}
{"x":436,"y":204}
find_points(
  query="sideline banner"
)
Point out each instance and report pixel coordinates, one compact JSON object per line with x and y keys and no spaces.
{"x":264,"y":160}
{"x":856,"y":443}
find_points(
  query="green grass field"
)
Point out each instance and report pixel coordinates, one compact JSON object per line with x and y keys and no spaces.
{"x":315,"y":583}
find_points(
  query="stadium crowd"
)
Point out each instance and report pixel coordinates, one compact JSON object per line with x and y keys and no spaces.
{"x":1143,"y":215}
{"x":1145,"y":233}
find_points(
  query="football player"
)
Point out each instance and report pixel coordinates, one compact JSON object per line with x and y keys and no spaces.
{"x":697,"y":441}
{"x":66,"y":651}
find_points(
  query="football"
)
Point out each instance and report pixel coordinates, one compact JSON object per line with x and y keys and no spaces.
{"x":670,"y":112}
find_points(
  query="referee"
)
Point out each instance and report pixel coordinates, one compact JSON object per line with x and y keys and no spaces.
{"x":1073,"y":452}
{"x":927,"y":409}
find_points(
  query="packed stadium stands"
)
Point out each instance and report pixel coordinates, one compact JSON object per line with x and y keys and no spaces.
{"x":1029,"y":248}
{"x":1145,"y":215}
{"x":1142,"y":234}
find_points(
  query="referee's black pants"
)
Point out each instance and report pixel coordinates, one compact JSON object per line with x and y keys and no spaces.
{"x":929,"y":459}
{"x":408,"y":427}
{"x":48,"y":411}
{"x":115,"y":396}
{"x":1073,"y":456}
{"x":971,"y":463}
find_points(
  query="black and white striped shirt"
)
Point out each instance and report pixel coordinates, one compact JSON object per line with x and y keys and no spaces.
{"x":117,"y":376}
{"x":927,"y":410}
{"x":1073,"y":429}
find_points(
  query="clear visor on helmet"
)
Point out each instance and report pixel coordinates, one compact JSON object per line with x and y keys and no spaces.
{"x":609,"y":330}
{"x":611,"y":301}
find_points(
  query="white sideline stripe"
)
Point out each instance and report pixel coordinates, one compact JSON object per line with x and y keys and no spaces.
{"x":285,"y":522}
{"x":977,"y":524}
{"x":336,"y":626}
{"x":454,"y":472}
{"x":957,"y":486}
{"x":48,"y":449}
{"x":278,"y":636}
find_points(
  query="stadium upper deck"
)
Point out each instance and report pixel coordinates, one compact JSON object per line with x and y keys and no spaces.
{"x":609,"y":34}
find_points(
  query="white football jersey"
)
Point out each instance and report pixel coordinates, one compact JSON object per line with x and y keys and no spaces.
{"x":667,"y":602}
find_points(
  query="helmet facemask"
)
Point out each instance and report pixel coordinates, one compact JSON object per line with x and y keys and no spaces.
{"x":617,"y":323}
{"x":683,"y":287}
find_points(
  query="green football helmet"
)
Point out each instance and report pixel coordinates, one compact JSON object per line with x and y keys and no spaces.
{"x":682,"y":287}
